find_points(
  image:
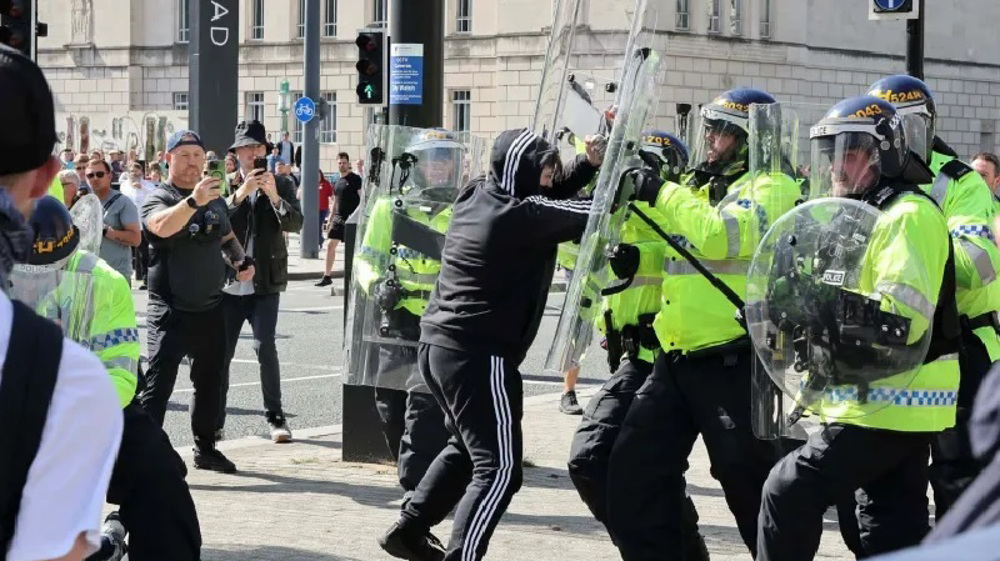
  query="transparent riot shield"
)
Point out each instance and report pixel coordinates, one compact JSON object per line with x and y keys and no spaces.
{"x":552,"y":89}
{"x":778,"y":180}
{"x":64,"y":297}
{"x":88,"y":216}
{"x":414,"y":178}
{"x":637,"y":100}
{"x":832,"y":313}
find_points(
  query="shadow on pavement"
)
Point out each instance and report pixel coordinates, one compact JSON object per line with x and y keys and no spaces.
{"x":367,"y":495}
{"x":269,"y":553}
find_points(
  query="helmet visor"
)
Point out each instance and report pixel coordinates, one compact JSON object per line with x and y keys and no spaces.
{"x":719,"y":143}
{"x":919,"y":134}
{"x":439,"y":166}
{"x":843,"y":165}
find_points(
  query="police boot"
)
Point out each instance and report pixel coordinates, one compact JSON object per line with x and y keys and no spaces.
{"x":404,"y":544}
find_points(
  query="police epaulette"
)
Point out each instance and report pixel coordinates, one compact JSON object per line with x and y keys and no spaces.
{"x":956,"y":169}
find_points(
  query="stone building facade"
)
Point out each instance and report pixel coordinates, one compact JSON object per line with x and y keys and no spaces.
{"x":121,"y":66}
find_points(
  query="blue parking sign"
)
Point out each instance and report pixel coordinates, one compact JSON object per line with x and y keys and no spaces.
{"x":305,"y":109}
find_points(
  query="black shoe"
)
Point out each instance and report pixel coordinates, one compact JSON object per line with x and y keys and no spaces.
{"x":142,"y":286}
{"x":405,"y":545}
{"x":212,"y":459}
{"x":569,"y":405}
{"x":220,"y":434}
{"x":327,"y":281}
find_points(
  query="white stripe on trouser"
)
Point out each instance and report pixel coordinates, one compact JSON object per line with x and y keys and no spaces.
{"x":487,"y":508}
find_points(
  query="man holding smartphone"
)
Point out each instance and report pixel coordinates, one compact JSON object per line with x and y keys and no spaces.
{"x":192,"y":247}
{"x":261,"y":208}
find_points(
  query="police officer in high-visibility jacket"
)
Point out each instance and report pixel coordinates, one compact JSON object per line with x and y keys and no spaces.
{"x":968,"y":206}
{"x":148,"y":477}
{"x":412,"y":421}
{"x":876,"y":341}
{"x":700,"y":383}
{"x":626,"y":318}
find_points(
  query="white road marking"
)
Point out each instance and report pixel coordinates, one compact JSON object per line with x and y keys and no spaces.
{"x":283,"y":380}
{"x":312,"y":309}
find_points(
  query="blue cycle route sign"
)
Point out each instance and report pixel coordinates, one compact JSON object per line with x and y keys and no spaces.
{"x":305,"y":109}
{"x":890,"y":5}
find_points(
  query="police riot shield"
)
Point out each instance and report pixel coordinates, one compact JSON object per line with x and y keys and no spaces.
{"x":553,"y":85}
{"x":414,"y":179}
{"x":88,"y":216}
{"x":834,"y":311}
{"x":591,"y":276}
{"x":64,"y":297}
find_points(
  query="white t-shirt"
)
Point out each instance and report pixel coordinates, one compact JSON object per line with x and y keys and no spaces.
{"x":138,"y":196}
{"x":68,"y":480}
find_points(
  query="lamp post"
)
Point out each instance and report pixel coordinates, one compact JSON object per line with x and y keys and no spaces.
{"x":283,"y":104}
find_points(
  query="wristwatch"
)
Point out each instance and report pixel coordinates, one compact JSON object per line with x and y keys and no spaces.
{"x":191,"y":202}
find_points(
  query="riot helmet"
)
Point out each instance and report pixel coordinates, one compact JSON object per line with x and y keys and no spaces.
{"x":721,"y":142}
{"x":668,"y":150}
{"x":439,"y":159}
{"x":914,"y":103}
{"x":56,"y":238}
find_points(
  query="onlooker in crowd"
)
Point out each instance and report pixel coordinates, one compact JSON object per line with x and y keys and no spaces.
{"x":121,"y":219}
{"x":96,"y":154}
{"x":61,"y":415}
{"x":272,"y":160}
{"x":231,"y":164}
{"x":284,"y":169}
{"x":347,"y":197}
{"x":160,"y":162}
{"x":211,"y":156}
{"x":70,"y":184}
{"x":115,"y":159}
{"x":188,"y":227}
{"x":260,"y":209}
{"x":66,"y":157}
{"x":298,"y":157}
{"x":286,"y":149}
{"x":137,"y":189}
{"x":359,"y":167}
{"x":325,"y":200}
{"x":155,"y":176}
{"x":988,"y":166}
{"x":80,"y":166}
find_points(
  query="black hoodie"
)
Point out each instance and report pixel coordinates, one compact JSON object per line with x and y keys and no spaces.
{"x":500,"y":251}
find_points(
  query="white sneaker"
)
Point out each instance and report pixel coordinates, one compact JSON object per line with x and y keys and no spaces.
{"x":279,"y":429}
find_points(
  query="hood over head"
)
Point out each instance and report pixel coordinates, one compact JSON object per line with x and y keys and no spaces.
{"x":517,"y":160}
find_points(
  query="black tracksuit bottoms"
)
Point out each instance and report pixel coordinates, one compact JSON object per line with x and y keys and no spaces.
{"x":480,"y":468}
{"x":590,"y":451}
{"x":709,"y":395}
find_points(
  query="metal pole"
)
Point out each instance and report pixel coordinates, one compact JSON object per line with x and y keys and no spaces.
{"x":309,"y":248}
{"x":420,"y":22}
{"x":915,"y":43}
{"x":214,"y":59}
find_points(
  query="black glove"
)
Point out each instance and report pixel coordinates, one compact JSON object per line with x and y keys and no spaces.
{"x":624,"y":260}
{"x":647,"y":185}
{"x":387,"y":294}
{"x":246,"y":264}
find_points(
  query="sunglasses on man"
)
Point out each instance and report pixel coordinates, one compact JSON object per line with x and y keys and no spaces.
{"x":97,"y":174}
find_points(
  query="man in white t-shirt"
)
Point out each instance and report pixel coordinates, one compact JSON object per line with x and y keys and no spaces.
{"x":52,"y":496}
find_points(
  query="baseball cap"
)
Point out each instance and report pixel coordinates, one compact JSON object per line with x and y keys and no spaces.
{"x":184,"y":138}
{"x":27,"y":114}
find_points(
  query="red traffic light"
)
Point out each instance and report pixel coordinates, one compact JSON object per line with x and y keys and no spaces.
{"x":366,"y":42}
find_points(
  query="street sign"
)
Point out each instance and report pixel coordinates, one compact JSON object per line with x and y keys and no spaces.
{"x":893,"y":9}
{"x":305,"y":109}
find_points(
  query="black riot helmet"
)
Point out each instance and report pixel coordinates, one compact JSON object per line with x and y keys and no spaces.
{"x":720,"y":145}
{"x":914,"y":102}
{"x":671,"y":153}
{"x":56,"y":237}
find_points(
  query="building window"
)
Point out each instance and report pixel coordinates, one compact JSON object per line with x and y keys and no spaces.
{"x":301,"y":33}
{"x":461,"y":110}
{"x":682,"y":20}
{"x":379,"y":13}
{"x":328,"y":128}
{"x":765,"y":19}
{"x":715,"y":16}
{"x":183,"y":21}
{"x":463,"y":19}
{"x":736,"y":18}
{"x":297,"y":128}
{"x":257,"y":20}
{"x":330,"y":19}
{"x":180,"y":101}
{"x":255,"y":106}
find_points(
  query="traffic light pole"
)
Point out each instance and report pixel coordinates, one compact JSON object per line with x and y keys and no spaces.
{"x":418,"y":22}
{"x":309,"y":246}
{"x":915,"y":43}
{"x":214,"y":58}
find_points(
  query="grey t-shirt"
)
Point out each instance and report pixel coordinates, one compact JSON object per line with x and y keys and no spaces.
{"x":186,"y":270}
{"x":119,"y":211}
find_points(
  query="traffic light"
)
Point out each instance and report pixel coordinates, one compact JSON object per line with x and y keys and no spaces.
{"x":371,"y":67}
{"x":18,"y":27}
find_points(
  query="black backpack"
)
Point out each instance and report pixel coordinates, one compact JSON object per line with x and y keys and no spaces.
{"x":26,"y":386}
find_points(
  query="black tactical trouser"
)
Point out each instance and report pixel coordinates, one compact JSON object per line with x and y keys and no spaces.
{"x":953,"y":465}
{"x":707,"y":394}
{"x":889,"y":467}
{"x":590,"y":451}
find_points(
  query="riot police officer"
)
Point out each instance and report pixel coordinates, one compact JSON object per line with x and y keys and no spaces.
{"x":861,"y":326}
{"x":968,"y":207}
{"x":93,"y":304}
{"x":398,"y":276}
{"x":700,"y":383}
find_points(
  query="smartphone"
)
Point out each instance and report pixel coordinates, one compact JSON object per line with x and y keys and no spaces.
{"x":217,"y":169}
{"x":260,"y":163}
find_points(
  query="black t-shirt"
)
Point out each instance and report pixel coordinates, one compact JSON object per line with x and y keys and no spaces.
{"x":347,"y":190}
{"x":187,"y":270}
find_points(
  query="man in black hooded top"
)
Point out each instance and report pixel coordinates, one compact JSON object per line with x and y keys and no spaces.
{"x":484,"y":313}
